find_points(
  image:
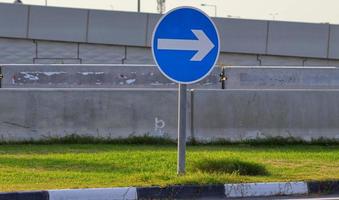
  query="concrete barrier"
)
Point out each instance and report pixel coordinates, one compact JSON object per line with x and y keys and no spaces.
{"x":92,"y":76}
{"x":148,"y":76}
{"x":42,"y":113}
{"x":245,"y":36}
{"x":282,"y":77}
{"x":213,"y":114}
{"x":250,"y":114}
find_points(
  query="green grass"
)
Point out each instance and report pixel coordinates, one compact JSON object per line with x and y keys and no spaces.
{"x":56,"y":166}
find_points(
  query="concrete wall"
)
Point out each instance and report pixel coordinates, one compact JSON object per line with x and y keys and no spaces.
{"x":229,"y":114}
{"x":27,"y":51}
{"x":97,"y":36}
{"x":148,"y":76}
{"x":282,"y":77}
{"x":92,"y":76}
{"x":38,"y":114}
{"x":244,"y":114}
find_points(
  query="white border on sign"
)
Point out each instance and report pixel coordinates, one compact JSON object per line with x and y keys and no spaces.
{"x":152,"y":44}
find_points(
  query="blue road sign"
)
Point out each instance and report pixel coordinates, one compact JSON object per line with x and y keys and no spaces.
{"x":185,"y":45}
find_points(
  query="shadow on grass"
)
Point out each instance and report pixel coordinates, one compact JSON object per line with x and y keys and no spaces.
{"x":230,"y":166}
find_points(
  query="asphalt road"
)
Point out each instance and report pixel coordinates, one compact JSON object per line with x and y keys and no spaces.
{"x":314,"y":197}
{"x":332,"y":197}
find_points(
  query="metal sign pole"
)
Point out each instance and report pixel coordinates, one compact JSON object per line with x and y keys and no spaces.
{"x":182,"y":104}
{"x":181,"y":67}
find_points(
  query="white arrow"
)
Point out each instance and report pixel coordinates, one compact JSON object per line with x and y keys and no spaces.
{"x":202,"y":45}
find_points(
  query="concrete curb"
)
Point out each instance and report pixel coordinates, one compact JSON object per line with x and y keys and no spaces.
{"x":34,"y":195}
{"x":182,"y":192}
{"x":265,"y":189}
{"x":127,"y":193}
{"x":326,"y":187}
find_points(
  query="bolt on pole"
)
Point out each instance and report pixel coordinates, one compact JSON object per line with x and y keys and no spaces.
{"x":182,"y":104}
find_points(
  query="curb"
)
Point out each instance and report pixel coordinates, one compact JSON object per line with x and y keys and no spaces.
{"x":126,"y":193}
{"x":38,"y":195}
{"x":265,"y":189}
{"x":327,"y":187}
{"x":182,"y":192}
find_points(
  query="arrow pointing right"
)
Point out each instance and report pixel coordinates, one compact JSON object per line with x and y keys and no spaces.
{"x":202,"y":45}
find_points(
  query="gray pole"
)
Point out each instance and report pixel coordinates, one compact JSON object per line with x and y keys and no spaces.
{"x":182,"y":102}
{"x":139,"y":5}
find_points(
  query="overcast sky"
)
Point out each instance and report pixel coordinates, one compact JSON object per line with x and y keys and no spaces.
{"x":323,"y":11}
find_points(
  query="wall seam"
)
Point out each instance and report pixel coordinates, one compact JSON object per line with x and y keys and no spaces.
{"x":328,"y":41}
{"x":304,"y":61}
{"x":147,"y":33}
{"x":36,"y":51}
{"x":1,"y":77}
{"x":267,"y":35}
{"x":87,"y":25}
{"x":78,"y":50}
{"x":28,"y":20}
{"x":125,"y":56}
{"x":259,"y":59}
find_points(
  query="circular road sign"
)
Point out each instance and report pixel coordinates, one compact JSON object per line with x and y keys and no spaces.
{"x":185,"y":45}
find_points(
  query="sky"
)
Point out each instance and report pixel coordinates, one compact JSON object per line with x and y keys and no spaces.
{"x":318,"y":11}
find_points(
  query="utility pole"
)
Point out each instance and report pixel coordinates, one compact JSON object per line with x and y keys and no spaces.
{"x":273,"y":15}
{"x":17,"y":2}
{"x":161,"y":6}
{"x":213,"y":6}
{"x":139,"y":5}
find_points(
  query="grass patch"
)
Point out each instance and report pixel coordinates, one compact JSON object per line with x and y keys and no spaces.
{"x":231,"y":166}
{"x":57,"y":166}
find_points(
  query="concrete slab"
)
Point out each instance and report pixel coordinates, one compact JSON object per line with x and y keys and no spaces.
{"x":17,"y":51}
{"x":243,"y":36}
{"x":52,"y":23}
{"x":334,"y":42}
{"x":252,"y":114}
{"x":91,"y":76}
{"x":13,"y":20}
{"x":298,"y":39}
{"x":119,"y":28}
{"x":42,"y":113}
{"x":138,"y":55}
{"x":65,"y":50}
{"x":152,"y":21}
{"x":101,"y":54}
